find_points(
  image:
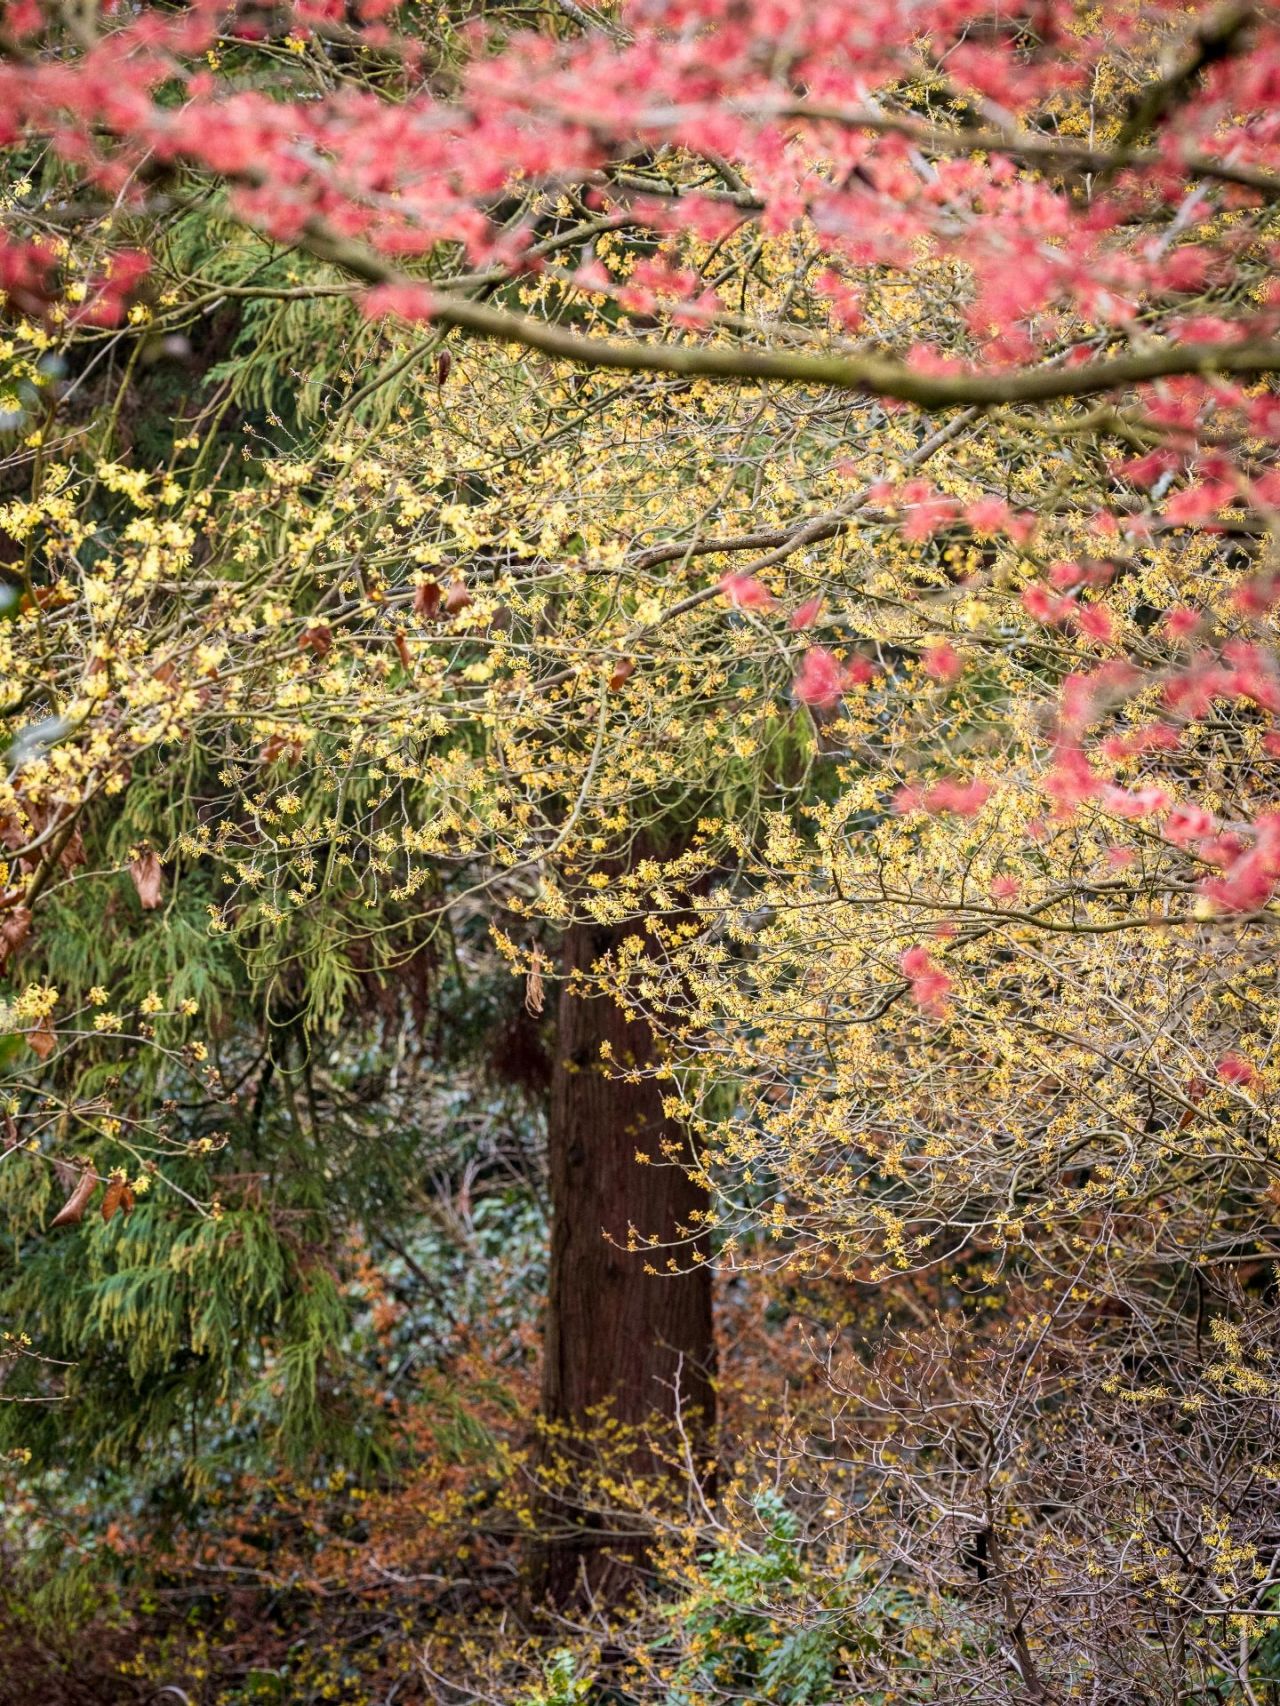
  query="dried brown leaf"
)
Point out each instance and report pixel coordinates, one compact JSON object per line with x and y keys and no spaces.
{"x":42,"y":1042}
{"x":426,"y":599}
{"x":72,"y":1211}
{"x":14,"y":930}
{"x":148,"y":878}
{"x":534,"y":992}
{"x":113,"y":1197}
{"x":280,"y":746}
{"x":72,"y":852}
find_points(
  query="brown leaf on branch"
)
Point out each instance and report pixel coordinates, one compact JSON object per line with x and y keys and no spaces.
{"x":42,"y":1042}
{"x":118,"y":1195}
{"x":148,"y":878}
{"x":280,"y":746}
{"x":72,"y":1211}
{"x":402,"y":649}
{"x":534,"y":994}
{"x":456,"y":597}
{"x":426,"y":599}
{"x":318,"y":639}
{"x":72,"y":852}
{"x":14,"y":931}
{"x":44,"y":598}
{"x":622,"y":673}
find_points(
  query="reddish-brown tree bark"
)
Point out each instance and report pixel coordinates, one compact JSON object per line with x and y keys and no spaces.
{"x":616,"y":1336}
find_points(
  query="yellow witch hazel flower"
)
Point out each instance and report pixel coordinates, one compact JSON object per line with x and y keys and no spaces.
{"x":34,"y":1005}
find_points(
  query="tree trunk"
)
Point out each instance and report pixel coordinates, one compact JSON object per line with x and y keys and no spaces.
{"x":637,"y":1344}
